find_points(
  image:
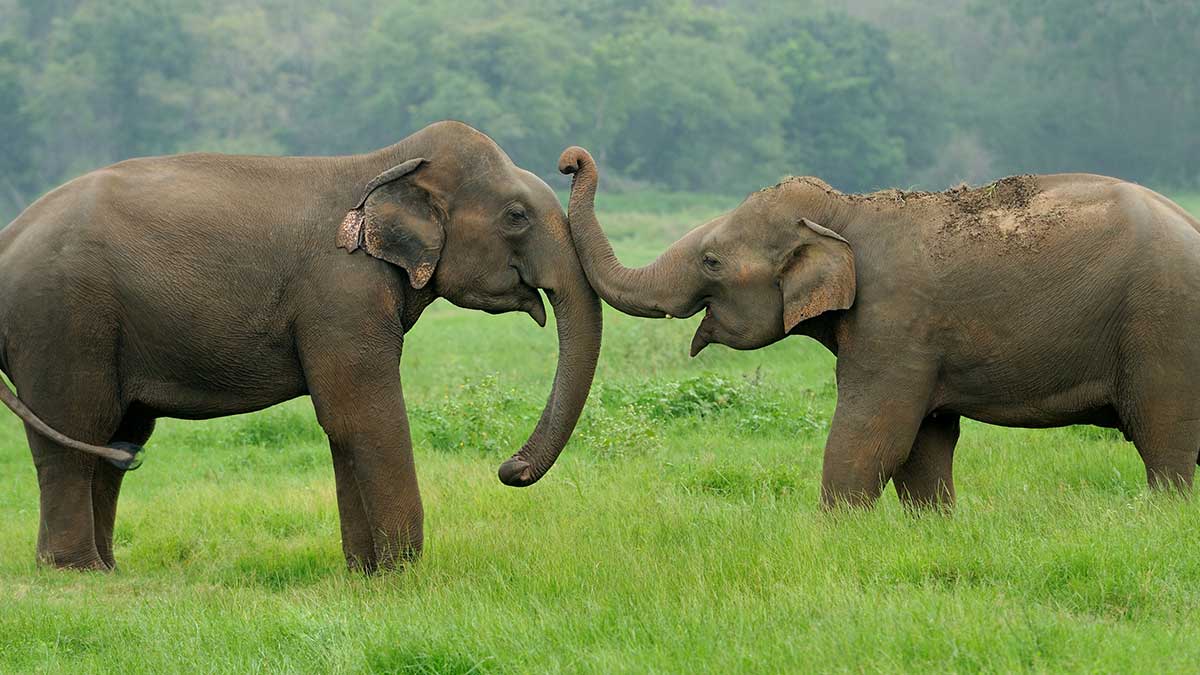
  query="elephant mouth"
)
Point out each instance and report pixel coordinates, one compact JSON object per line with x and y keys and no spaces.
{"x":530,"y":299}
{"x":519,"y":298}
{"x":690,"y":311}
{"x":703,"y":336}
{"x":536,"y":309}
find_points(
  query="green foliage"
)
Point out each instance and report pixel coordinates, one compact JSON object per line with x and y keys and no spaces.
{"x":477,"y":417}
{"x":617,"y":431}
{"x":747,"y":401}
{"x":275,"y":428}
{"x":670,"y":94}
{"x":1107,"y":88}
{"x":700,"y":396}
{"x":114,"y":83}
{"x":843,"y":110}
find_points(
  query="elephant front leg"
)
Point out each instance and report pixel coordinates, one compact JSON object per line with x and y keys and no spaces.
{"x":361,"y":407}
{"x":873,"y":432}
{"x":925,"y":480}
{"x":357,"y":543}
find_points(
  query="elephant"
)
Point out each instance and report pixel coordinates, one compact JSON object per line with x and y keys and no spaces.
{"x":202,"y":285}
{"x":1036,"y":301}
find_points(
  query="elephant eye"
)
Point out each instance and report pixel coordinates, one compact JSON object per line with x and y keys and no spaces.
{"x":518,"y":218}
{"x":711,"y":262}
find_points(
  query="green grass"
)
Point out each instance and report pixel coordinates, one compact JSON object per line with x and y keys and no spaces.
{"x":679,"y":532}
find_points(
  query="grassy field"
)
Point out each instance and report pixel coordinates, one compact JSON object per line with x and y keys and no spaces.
{"x":678,"y":533}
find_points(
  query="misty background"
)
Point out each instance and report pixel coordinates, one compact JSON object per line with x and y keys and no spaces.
{"x":721,"y":97}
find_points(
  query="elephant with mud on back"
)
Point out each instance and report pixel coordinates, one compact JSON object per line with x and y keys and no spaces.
{"x":1036,"y":301}
{"x":203,"y":285}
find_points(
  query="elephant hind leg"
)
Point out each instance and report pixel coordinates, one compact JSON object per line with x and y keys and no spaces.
{"x":1158,"y":394}
{"x":136,"y":428}
{"x":925,"y":480}
{"x":84,"y":407}
{"x":66,"y":531}
{"x":1169,"y":451}
{"x":1166,"y":432}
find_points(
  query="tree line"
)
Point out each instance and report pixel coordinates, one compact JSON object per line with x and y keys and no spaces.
{"x":717,"y":96}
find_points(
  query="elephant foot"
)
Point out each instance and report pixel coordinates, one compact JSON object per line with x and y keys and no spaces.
{"x":91,"y":563}
{"x":362,"y":565}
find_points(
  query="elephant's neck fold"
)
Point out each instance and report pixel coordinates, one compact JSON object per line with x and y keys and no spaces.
{"x":414,"y":303}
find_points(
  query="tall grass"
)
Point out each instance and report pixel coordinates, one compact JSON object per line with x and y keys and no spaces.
{"x":679,"y":532}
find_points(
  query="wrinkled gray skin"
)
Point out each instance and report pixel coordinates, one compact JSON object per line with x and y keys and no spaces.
{"x":197,"y":286}
{"x":1039,"y":301}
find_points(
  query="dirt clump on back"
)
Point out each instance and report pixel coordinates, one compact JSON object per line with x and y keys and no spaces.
{"x":1009,"y":194}
{"x":1004,"y":216}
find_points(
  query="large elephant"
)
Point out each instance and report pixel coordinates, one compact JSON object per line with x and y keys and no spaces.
{"x":1036,"y":301}
{"x":203,"y":285}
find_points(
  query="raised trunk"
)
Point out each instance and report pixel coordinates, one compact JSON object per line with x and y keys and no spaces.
{"x":578,"y":319}
{"x":651,"y":291}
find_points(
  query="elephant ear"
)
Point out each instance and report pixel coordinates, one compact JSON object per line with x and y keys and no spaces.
{"x":818,"y":276}
{"x":399,"y":221}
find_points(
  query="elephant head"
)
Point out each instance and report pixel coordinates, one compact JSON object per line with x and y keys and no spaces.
{"x":757,"y":271}
{"x":458,"y":216}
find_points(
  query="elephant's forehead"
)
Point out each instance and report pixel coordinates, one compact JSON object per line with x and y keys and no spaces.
{"x":483,"y":173}
{"x":756,"y":222}
{"x":765,"y":205}
{"x":782,"y":200}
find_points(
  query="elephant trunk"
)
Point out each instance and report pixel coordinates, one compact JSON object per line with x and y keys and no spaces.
{"x":651,"y":291}
{"x":578,"y":319}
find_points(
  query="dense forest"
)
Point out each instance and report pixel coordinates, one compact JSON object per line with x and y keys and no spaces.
{"x":718,"y":96}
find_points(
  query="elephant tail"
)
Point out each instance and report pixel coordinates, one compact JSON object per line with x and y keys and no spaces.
{"x":126,"y":456}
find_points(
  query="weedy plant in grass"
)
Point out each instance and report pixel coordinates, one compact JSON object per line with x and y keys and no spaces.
{"x":744,"y":481}
{"x":478,"y":417}
{"x":616,"y":430}
{"x":747,"y":401}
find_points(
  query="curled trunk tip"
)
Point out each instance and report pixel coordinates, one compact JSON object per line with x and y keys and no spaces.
{"x":645,"y":291}
{"x":573,"y":159}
